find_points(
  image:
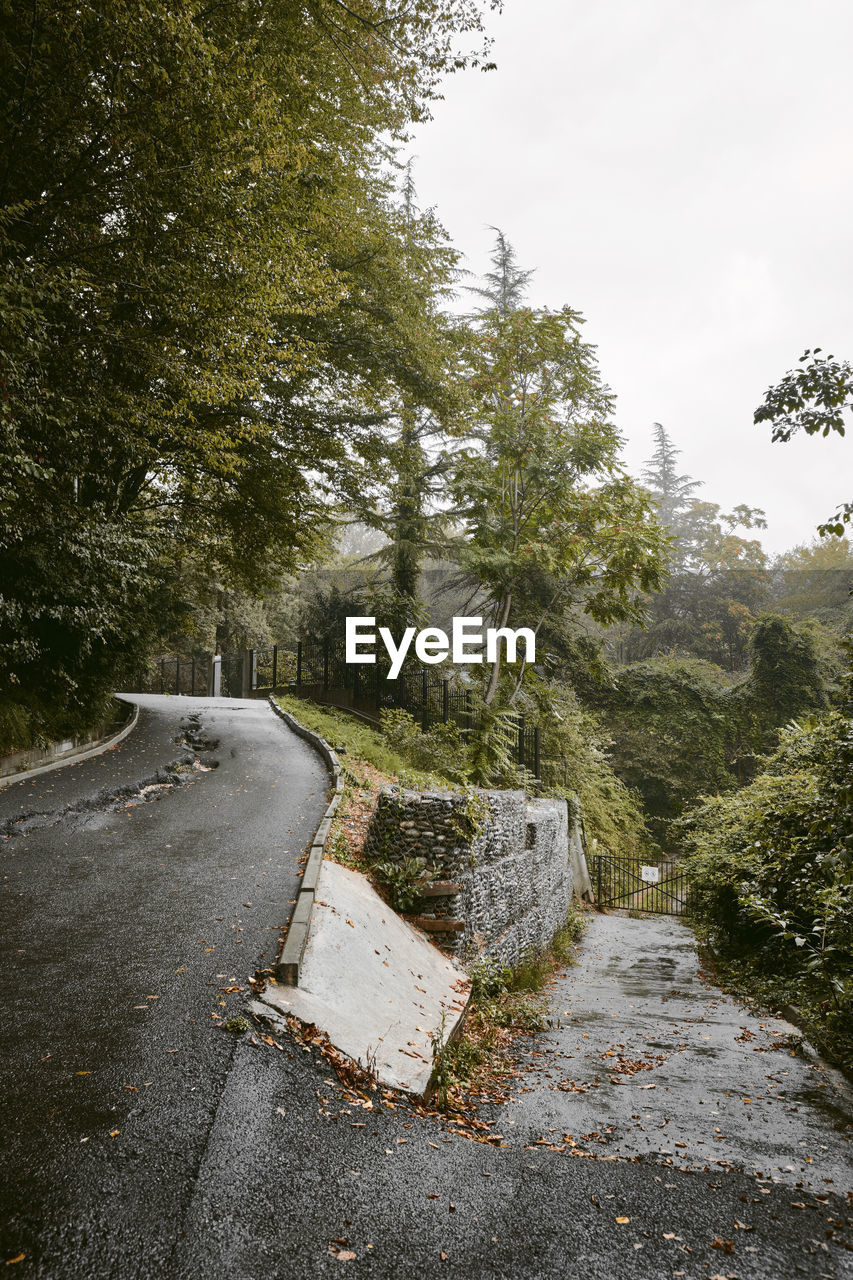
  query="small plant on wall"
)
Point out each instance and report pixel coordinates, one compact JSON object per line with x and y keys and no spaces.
{"x":404,"y":881}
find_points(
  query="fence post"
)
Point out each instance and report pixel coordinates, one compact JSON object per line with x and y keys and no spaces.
{"x":274,"y":665}
{"x":537,"y":753}
{"x":424,"y":696}
{"x":445,"y":701}
{"x":177,"y":675}
{"x":215,"y":680}
{"x":598,"y":881}
{"x":298,"y":664}
{"x":467,"y":708}
{"x":521,"y":741}
{"x":325,"y":665}
{"x":245,"y":672}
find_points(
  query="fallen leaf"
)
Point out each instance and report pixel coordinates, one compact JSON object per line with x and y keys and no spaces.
{"x":623,"y":1219}
{"x":114,"y":1133}
{"x":20,"y":1258}
{"x":725,"y":1246}
{"x":345,"y":1255}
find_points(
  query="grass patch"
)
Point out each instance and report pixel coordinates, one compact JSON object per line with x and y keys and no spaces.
{"x":368,"y":764}
{"x":353,"y":737}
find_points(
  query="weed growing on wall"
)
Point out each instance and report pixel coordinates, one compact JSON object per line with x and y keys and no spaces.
{"x":505,"y":1002}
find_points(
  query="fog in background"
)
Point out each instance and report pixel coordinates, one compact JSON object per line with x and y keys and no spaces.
{"x":679,"y":171}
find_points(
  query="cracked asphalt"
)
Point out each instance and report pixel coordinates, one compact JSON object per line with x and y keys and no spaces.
{"x":140,"y":1139}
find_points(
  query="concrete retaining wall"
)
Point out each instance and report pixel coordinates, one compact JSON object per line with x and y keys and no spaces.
{"x":502,"y":862}
{"x":20,"y":765}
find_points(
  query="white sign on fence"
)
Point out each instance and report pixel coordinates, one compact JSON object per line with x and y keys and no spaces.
{"x":650,"y":875}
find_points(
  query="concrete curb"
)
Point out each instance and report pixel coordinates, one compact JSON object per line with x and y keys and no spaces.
{"x":76,"y":755}
{"x":290,"y":961}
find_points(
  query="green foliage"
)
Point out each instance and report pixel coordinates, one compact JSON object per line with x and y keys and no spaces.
{"x":443,"y":1076}
{"x":353,"y":737}
{"x":772,"y":874}
{"x":503,"y":999}
{"x":440,"y":750}
{"x":550,"y":518}
{"x":581,"y":771}
{"x":563,"y":942}
{"x":812,"y":399}
{"x":672,"y":492}
{"x":717,"y":580}
{"x":494,"y":749}
{"x":784,"y":679}
{"x":211,"y":295}
{"x":404,"y":881}
{"x":680,"y":728}
{"x":488,"y":979}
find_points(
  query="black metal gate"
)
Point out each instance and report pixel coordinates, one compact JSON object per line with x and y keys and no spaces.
{"x":660,"y":887}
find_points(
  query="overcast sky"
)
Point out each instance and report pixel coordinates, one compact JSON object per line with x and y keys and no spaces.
{"x":680,"y":171}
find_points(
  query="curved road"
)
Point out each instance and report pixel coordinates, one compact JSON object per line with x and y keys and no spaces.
{"x":131,"y":922}
{"x":143,"y":1142}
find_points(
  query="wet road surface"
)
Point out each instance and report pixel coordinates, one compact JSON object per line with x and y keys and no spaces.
{"x":648,"y":1056}
{"x":142,"y":1140}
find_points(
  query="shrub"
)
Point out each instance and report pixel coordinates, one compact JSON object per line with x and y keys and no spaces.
{"x":772,"y":874}
{"x":439,"y":750}
{"x":404,"y":881}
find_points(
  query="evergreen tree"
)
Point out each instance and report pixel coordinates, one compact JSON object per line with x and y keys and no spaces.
{"x":551,"y":519}
{"x":505,"y":286}
{"x":670,"y":490}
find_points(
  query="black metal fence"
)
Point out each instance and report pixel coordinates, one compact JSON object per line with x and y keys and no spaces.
{"x":319,"y":670}
{"x":189,"y":676}
{"x":661,"y":888}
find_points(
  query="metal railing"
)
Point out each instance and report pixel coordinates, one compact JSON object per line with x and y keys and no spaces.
{"x":318,"y":669}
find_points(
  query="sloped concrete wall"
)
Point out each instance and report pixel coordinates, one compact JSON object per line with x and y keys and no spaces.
{"x":509,"y":857}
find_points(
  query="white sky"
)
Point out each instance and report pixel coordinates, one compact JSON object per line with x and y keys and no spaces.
{"x":680,"y":171}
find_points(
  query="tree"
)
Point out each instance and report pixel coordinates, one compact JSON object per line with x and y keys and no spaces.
{"x":670,"y":490}
{"x":812,"y":399}
{"x":204,"y":299}
{"x":549,"y":516}
{"x":816,"y":579}
{"x":395,"y":492}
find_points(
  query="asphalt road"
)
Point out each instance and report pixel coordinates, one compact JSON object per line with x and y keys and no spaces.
{"x":142,"y":1140}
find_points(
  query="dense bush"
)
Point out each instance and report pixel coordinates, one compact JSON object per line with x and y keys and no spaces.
{"x":772,"y":874}
{"x":672,"y":727}
{"x":439,"y":750}
{"x":681,"y":727}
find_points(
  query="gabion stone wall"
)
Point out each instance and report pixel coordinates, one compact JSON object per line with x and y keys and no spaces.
{"x":502,"y":863}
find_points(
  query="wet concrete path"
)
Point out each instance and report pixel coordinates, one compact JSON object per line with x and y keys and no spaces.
{"x":648,"y":1057}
